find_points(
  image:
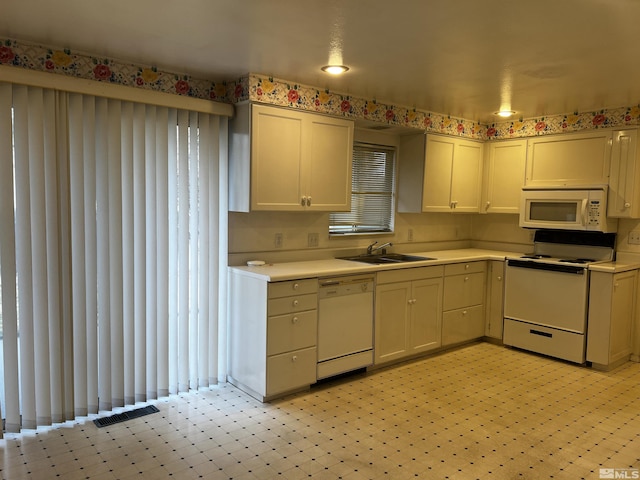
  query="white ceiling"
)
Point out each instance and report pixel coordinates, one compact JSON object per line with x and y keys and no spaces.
{"x":465,"y":58}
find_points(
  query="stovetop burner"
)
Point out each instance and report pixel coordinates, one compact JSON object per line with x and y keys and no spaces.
{"x":577,"y":260}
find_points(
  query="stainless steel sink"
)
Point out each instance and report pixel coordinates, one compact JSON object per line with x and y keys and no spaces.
{"x":385,"y":258}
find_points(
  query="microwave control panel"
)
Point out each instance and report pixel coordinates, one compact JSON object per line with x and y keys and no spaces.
{"x":594,"y":209}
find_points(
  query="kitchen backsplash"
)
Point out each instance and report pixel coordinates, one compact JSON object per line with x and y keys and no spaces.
{"x":260,"y":88}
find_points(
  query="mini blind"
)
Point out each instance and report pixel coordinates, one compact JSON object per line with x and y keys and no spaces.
{"x":372,"y":195}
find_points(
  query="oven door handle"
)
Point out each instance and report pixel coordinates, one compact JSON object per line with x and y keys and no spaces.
{"x":551,"y":267}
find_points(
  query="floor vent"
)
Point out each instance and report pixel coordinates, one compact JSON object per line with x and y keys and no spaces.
{"x":122,"y":417}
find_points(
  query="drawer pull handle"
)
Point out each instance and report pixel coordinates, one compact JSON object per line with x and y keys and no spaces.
{"x":294,"y":320}
{"x":296,"y":286}
{"x":295,"y":303}
{"x":464,"y":312}
{"x":542,"y":334}
{"x":467,"y":266}
{"x":294,"y":358}
{"x":466,"y":279}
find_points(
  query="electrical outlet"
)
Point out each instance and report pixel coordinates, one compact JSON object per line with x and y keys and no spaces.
{"x":312,"y":240}
{"x":277,"y":241}
{"x":634,"y":238}
{"x":410,"y":235}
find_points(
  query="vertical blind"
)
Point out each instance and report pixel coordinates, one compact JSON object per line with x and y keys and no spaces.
{"x":111,"y":220}
{"x":373,"y":174}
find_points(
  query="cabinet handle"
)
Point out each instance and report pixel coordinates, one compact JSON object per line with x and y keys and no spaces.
{"x":464,"y":312}
{"x":308,"y":201}
{"x":615,"y":285}
{"x":303,"y":201}
{"x":296,"y":286}
{"x":295,"y":303}
{"x":488,"y":204}
{"x":499,"y":278}
{"x":294,"y":320}
{"x":627,"y":205}
{"x":294,"y":358}
{"x":466,"y":279}
{"x":466,"y":267}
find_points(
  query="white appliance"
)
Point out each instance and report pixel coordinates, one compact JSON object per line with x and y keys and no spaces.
{"x":546,"y":292}
{"x":566,"y":209}
{"x":345,"y":324}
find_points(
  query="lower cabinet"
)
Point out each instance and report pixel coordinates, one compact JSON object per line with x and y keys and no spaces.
{"x":494,"y":299}
{"x":612,"y":302}
{"x":273,"y":329}
{"x":463,"y":302}
{"x":408,"y":312}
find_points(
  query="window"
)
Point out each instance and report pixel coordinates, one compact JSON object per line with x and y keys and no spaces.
{"x":372,"y":195}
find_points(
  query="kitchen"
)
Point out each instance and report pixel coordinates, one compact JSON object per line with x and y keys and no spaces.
{"x":255,"y":235}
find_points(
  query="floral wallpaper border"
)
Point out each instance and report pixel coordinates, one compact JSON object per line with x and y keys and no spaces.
{"x":261,"y":88}
{"x":91,"y":67}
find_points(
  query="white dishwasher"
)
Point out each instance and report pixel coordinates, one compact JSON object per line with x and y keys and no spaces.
{"x":345,"y":324}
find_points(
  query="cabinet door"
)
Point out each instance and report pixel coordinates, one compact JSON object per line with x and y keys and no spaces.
{"x":622,"y":313}
{"x":327,"y":173}
{"x":505,"y":172}
{"x":623,"y":195}
{"x":462,"y":325}
{"x":495,"y":298}
{"x":436,"y":190}
{"x":276,"y":152}
{"x":425,"y":316}
{"x":392,"y":305}
{"x":569,"y":159}
{"x":463,"y":290}
{"x":466,"y":176}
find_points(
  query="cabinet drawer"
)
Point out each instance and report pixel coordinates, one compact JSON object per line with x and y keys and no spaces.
{"x":289,"y":371}
{"x":297,"y":303}
{"x":291,"y":332}
{"x":462,"y":268}
{"x":462,"y":325}
{"x":293,"y":287}
{"x":548,"y":341}
{"x":408,"y":274}
{"x":463,"y":290}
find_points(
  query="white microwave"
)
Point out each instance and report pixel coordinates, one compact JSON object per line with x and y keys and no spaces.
{"x":566,"y":209}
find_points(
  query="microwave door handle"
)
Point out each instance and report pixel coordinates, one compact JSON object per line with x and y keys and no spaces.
{"x":584,"y":212}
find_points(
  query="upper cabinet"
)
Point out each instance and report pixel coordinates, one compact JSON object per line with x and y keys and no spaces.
{"x":289,"y":160}
{"x":569,"y":159}
{"x":624,"y":181}
{"x":504,"y":173}
{"x":452,"y":175}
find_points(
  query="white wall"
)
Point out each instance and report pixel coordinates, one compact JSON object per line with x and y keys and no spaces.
{"x":500,"y":232}
{"x":252,"y":235}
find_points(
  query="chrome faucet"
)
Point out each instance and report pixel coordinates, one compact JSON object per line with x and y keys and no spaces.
{"x":371,"y":248}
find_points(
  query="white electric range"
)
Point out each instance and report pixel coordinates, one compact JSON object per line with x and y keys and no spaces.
{"x":547,"y":292}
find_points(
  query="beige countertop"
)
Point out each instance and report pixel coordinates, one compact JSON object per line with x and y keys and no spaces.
{"x":624,"y":262}
{"x":275,"y":272}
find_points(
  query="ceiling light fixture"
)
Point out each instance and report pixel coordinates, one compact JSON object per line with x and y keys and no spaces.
{"x":334,"y":69}
{"x":505,"y":113}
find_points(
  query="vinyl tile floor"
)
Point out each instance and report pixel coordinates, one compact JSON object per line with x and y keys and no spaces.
{"x":481,"y":411}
